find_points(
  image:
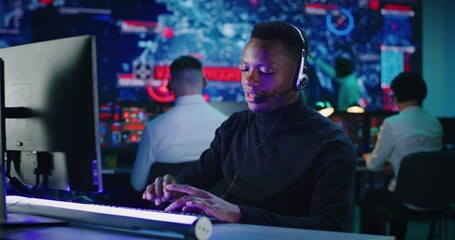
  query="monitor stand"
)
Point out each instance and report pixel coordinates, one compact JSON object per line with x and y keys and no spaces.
{"x":13,"y":219}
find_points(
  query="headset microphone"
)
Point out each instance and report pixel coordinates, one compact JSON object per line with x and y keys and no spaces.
{"x":260,"y":98}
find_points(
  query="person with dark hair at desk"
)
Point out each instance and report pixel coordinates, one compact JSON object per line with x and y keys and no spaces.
{"x":181,"y":134}
{"x":412,"y":130}
{"x":283,"y":163}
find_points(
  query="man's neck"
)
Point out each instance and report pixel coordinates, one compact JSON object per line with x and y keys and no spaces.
{"x":403,"y":105}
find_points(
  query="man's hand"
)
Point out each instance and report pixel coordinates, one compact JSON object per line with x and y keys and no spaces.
{"x":209,"y":204}
{"x":157,"y":191}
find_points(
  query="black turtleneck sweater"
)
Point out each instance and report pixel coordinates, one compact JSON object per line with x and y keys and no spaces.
{"x":295,"y":168}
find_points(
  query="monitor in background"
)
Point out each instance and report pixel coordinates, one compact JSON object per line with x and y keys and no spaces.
{"x":375,"y":120}
{"x":354,"y":126}
{"x":54,"y":142}
{"x":361,"y":128}
{"x":121,"y":124}
{"x":382,"y":38}
{"x":374,"y":123}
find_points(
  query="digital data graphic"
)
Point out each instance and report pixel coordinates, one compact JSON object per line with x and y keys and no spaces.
{"x":138,"y":39}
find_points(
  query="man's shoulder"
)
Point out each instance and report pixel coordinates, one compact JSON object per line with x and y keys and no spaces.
{"x":317,"y":122}
{"x":240,"y":115}
{"x":417,"y":117}
{"x":400,"y":117}
{"x":162,"y":119}
{"x":215,"y":112}
{"x":174,"y":116}
{"x":237,"y":118}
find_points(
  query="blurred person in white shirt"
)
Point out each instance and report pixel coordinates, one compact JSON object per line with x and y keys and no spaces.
{"x":181,"y":134}
{"x":412,"y":130}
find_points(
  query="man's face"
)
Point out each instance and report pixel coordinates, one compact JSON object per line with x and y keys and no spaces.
{"x":266,"y":69}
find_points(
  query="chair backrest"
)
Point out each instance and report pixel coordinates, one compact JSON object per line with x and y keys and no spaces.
{"x":427,"y":179}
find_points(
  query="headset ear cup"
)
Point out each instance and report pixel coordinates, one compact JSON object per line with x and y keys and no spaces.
{"x":302,"y":81}
{"x":301,"y":78}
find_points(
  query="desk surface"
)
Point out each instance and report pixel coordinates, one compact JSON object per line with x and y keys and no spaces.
{"x":78,"y":231}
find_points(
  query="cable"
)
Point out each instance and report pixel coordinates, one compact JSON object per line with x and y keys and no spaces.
{"x":247,"y":147}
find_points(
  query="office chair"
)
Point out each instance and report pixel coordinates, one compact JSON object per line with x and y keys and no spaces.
{"x":426,"y":181}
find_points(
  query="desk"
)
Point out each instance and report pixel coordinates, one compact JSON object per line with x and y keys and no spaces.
{"x":367,"y":180}
{"x":118,"y":190}
{"x":78,"y":231}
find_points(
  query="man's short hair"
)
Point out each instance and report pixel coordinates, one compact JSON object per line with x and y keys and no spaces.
{"x":185,"y":62}
{"x":409,"y":86}
{"x":283,"y":32}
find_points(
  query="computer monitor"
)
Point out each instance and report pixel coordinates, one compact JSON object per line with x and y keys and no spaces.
{"x":381,"y":38}
{"x":375,"y":120}
{"x":354,"y":126}
{"x":51,"y":114}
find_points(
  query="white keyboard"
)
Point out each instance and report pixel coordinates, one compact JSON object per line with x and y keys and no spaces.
{"x":189,"y":225}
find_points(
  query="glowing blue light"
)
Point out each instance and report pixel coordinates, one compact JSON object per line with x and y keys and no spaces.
{"x":340,"y":32}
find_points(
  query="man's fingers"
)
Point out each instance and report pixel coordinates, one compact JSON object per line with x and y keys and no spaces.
{"x":190,"y":206}
{"x":144,"y":195}
{"x":167,"y":179}
{"x":176,"y":205}
{"x":149,"y":193}
{"x":158,"y":190}
{"x":183,"y":189}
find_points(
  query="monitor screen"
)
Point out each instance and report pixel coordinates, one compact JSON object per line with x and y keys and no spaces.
{"x":361,"y":128}
{"x":375,"y":123}
{"x":354,"y":125}
{"x":121,"y":124}
{"x":140,"y":38}
{"x":56,"y":144}
{"x":375,"y":120}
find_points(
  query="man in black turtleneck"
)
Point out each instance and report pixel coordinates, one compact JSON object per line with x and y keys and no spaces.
{"x":284,"y":164}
